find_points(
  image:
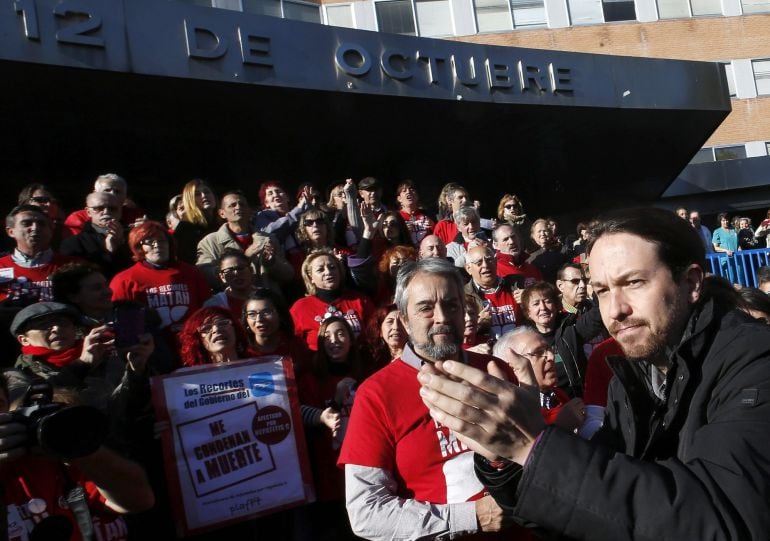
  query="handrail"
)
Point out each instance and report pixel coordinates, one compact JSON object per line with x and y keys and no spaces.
{"x":741,"y":267}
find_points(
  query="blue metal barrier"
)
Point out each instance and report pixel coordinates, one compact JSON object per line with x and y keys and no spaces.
{"x":741,"y":267}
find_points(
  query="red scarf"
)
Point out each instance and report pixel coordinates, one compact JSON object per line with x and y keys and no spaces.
{"x":56,"y":358}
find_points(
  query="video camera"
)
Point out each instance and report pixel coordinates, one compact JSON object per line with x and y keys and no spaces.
{"x":56,"y":428}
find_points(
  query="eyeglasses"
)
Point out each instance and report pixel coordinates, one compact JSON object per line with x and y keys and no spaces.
{"x":315,"y":221}
{"x":221,"y":324}
{"x":153,"y":243}
{"x":260,"y":314}
{"x":229,"y":271}
{"x":102,"y":208}
{"x":540,"y":353}
{"x":576,"y":281}
{"x":42,"y":199}
{"x":488,"y":260}
{"x":391,"y":223}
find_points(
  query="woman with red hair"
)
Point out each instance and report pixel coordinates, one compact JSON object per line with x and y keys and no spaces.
{"x":212,"y":336}
{"x":159,"y":281}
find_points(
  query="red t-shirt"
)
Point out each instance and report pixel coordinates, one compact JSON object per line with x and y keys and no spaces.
{"x":506,"y":266}
{"x":390,"y":428}
{"x":174,"y":292}
{"x":446,"y":230}
{"x":418,"y":224}
{"x":506,"y":314}
{"x":31,"y":283}
{"x":599,"y":373}
{"x":309,"y":312}
{"x":289,"y":346}
{"x":33,"y":487}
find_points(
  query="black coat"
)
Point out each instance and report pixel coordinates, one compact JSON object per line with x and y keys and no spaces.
{"x":696,"y":467}
{"x":572,"y":332}
{"x":89,"y":244}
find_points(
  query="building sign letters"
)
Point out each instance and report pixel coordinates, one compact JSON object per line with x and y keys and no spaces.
{"x":258,"y":49}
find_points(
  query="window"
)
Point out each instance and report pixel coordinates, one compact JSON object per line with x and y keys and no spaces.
{"x":755,"y":6}
{"x":706,"y":7}
{"x":528,"y":12}
{"x":735,"y":152}
{"x":618,"y":10}
{"x":204,"y":3}
{"x":301,"y":12}
{"x":493,"y":15}
{"x":762,"y":76}
{"x":415,"y":17}
{"x":290,"y":10}
{"x":497,"y":15}
{"x":339,"y":15}
{"x":703,"y":155}
{"x":729,"y":73}
{"x":434,"y":17}
{"x":396,"y":17}
{"x":263,"y":7}
{"x":585,"y":11}
{"x":674,"y":9}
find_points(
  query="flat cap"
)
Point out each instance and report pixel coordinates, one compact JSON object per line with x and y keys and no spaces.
{"x":40,"y":310}
{"x":368,"y":183}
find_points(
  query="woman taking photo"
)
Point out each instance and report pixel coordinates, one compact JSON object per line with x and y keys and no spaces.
{"x":323,"y":275}
{"x":159,"y":281}
{"x":567,"y":332}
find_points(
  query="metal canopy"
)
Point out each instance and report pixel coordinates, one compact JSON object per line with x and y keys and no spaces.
{"x":162,"y":92}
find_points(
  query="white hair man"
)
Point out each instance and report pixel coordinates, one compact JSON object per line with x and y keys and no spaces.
{"x":406,"y":476}
{"x":117,"y":186}
{"x":526,"y":344}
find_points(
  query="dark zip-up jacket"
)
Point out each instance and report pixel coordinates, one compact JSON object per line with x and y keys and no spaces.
{"x":693,"y":467}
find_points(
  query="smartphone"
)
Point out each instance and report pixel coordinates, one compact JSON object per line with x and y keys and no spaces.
{"x":128,"y":324}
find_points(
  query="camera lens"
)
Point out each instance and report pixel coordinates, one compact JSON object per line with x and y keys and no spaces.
{"x":72,"y":432}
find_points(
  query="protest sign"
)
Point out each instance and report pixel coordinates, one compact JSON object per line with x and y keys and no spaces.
{"x":235,"y":449}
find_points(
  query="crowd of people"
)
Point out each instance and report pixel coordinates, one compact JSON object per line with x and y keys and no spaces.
{"x":363,"y":294}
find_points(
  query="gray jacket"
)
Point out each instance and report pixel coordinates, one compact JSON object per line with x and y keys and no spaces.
{"x":211,"y":247}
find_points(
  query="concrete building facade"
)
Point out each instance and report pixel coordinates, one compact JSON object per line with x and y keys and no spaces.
{"x":733,"y":32}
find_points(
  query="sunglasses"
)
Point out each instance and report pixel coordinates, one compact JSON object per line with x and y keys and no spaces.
{"x":229,"y":271}
{"x":315,"y":221}
{"x":103,"y":208}
{"x":42,"y":199}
